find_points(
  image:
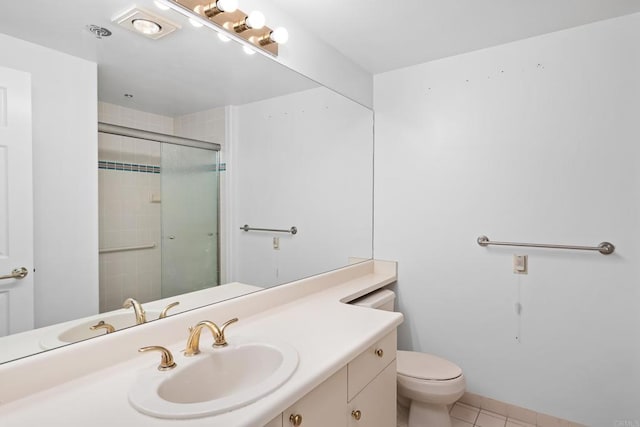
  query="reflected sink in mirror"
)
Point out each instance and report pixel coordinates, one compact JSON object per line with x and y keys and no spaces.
{"x":215,"y":381}
{"x":82,"y":330}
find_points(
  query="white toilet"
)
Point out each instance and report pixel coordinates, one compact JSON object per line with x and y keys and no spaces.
{"x":426,"y":383}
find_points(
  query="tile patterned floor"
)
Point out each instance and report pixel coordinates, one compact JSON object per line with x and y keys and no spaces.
{"x":463,"y":415}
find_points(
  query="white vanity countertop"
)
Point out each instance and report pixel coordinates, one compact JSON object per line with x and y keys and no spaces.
{"x":326,"y":333}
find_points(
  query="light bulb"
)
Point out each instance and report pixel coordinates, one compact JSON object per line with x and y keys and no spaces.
{"x":145,"y":26}
{"x":195,"y":23}
{"x":255,"y":20}
{"x":223,"y":38}
{"x":280,"y":35}
{"x":160,"y":5}
{"x":248,"y":50}
{"x":227,"y":5}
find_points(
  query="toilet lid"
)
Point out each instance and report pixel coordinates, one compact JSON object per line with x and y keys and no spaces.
{"x":426,"y":366}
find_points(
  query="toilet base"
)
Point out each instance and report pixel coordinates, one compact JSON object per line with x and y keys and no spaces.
{"x":423,"y":414}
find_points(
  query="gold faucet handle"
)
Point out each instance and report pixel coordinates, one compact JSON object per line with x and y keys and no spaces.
{"x":163,"y":313}
{"x":166,"y":358}
{"x":220,"y":340}
{"x":103,"y":325}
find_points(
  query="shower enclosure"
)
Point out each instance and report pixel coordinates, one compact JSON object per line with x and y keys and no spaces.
{"x":158,"y":215}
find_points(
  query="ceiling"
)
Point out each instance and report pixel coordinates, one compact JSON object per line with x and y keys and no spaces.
{"x":382,"y":35}
{"x":191,"y":70}
{"x":187,"y":71}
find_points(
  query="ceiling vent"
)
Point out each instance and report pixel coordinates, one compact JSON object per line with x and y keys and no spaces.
{"x":146,"y":23}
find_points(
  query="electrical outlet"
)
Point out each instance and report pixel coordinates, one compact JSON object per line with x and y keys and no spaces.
{"x":520,"y":264}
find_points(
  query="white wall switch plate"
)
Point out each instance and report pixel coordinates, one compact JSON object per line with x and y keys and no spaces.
{"x":520,"y":264}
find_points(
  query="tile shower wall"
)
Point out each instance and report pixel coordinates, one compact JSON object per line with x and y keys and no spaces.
{"x":130,"y":201}
{"x":130,"y":209}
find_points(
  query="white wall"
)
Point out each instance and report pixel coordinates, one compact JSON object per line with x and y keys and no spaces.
{"x":534,"y":141}
{"x":64,"y":99}
{"x":299,"y":160}
{"x":309,"y":55}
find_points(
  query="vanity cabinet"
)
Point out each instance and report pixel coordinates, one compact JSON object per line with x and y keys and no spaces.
{"x":361,"y":394}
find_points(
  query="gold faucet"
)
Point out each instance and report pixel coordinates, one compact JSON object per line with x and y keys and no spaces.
{"x":141,"y":316}
{"x":193,"y":342}
{"x":163,"y":314}
{"x":166,"y":358}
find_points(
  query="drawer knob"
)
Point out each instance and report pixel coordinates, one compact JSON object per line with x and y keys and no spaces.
{"x":356,"y":414}
{"x":379,"y":352}
{"x":295,"y":420}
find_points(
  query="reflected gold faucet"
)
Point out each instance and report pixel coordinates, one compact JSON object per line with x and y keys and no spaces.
{"x":141,"y":316}
{"x":103,"y":325}
{"x":193,"y":342}
{"x":163,"y":314}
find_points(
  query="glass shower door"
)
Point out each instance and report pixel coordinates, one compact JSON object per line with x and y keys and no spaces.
{"x":190,"y":248}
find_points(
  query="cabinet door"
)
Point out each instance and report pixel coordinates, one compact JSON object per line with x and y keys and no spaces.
{"x":375,"y":405}
{"x":324,"y":406}
{"x":276,"y":422}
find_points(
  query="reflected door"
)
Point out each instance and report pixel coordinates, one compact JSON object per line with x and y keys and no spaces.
{"x":16,"y":203}
{"x":190,"y":248}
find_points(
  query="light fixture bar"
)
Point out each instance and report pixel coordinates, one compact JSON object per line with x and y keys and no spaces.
{"x":249,"y":30}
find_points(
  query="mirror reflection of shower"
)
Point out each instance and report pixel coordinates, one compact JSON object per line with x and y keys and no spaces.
{"x":158,"y":217}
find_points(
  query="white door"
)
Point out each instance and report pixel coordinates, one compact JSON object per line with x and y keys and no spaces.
{"x":16,"y":202}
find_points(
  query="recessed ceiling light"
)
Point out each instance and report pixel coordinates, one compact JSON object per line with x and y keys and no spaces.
{"x":146,"y":27}
{"x":146,"y":23}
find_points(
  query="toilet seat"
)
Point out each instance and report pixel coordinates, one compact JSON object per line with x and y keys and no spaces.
{"x":425,"y":366}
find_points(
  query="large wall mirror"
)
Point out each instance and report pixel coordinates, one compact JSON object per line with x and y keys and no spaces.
{"x":196,"y":140}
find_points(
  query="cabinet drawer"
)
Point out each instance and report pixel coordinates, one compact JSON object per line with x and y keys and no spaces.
{"x":375,"y":406}
{"x":365,"y":367}
{"x":324,"y":406}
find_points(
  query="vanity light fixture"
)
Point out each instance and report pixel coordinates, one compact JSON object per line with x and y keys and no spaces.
{"x":146,"y":23}
{"x":214,"y":8}
{"x":255,"y":20}
{"x":279,"y":35}
{"x":232,"y":23}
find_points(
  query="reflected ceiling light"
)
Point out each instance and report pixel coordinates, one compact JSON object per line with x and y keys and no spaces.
{"x":146,"y":26}
{"x":195,"y":23}
{"x":161,"y":5}
{"x":255,"y":21}
{"x":248,"y":50}
{"x":223,"y":38}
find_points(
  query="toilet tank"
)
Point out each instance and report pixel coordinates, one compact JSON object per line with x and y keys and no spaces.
{"x":381,"y":299}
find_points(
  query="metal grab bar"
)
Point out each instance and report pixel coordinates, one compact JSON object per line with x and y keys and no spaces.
{"x":292,"y":230}
{"x":127,"y":248}
{"x":605,"y":248}
{"x":16,"y":273}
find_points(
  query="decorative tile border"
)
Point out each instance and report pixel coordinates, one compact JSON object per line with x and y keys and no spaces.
{"x":128,"y":167}
{"x":132,"y":167}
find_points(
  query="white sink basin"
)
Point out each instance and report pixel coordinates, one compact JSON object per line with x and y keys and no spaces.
{"x":81,"y":331}
{"x":214,"y":381}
